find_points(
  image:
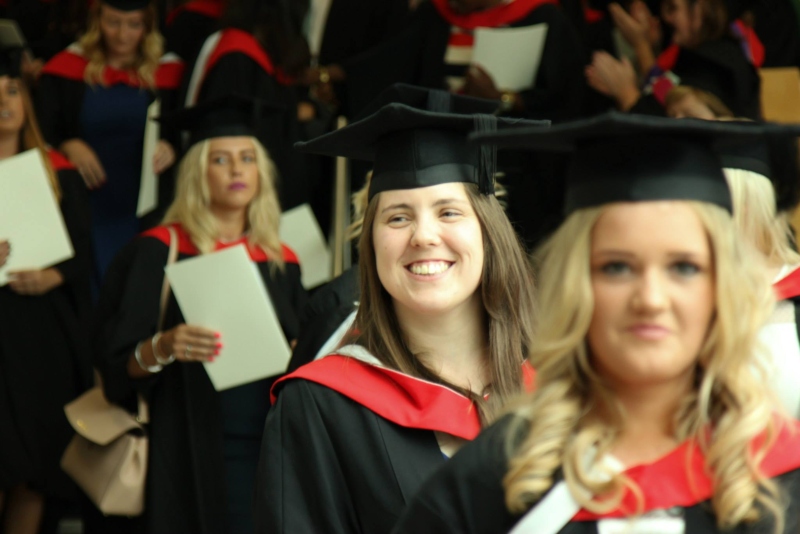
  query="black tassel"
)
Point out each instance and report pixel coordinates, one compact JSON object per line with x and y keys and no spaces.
{"x":487,"y":159}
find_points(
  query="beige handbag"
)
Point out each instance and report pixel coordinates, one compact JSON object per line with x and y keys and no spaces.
{"x":107,"y":457}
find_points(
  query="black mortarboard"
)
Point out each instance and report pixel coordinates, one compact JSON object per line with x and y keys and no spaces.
{"x":627,"y":158}
{"x":12,"y":46}
{"x":413,"y":147}
{"x":127,"y":5}
{"x":720,"y":68}
{"x":226,"y":116}
{"x":775,"y":157}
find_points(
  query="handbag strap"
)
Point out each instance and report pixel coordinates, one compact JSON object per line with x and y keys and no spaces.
{"x":144,"y":412}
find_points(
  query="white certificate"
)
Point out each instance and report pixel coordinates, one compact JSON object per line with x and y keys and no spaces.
{"x":511,"y":56}
{"x":30,"y":218}
{"x":299,"y":230}
{"x":148,"y":185}
{"x":224,"y":292}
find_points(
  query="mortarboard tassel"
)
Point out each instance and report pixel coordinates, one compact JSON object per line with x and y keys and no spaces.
{"x":439,"y":101}
{"x":487,"y":160}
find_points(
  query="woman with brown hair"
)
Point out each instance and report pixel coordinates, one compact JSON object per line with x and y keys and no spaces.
{"x":650,"y":413}
{"x":442,"y":330}
{"x":93,"y":100}
{"x":43,"y":313}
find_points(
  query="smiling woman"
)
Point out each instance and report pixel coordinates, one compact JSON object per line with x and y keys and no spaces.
{"x":443,"y":327}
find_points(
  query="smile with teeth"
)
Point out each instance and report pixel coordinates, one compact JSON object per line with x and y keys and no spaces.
{"x":429,"y":267}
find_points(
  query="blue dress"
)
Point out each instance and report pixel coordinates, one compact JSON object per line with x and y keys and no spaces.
{"x":112,"y":122}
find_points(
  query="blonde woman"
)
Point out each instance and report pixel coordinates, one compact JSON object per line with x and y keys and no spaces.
{"x":203,"y":444}
{"x":43,"y":336}
{"x":761,"y":212}
{"x":647,"y":415}
{"x":92,"y":101}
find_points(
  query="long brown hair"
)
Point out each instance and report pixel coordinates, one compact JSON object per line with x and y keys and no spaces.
{"x":507,"y":291}
{"x":31,"y":137}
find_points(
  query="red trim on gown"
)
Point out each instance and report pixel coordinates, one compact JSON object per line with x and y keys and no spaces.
{"x":185,"y":245}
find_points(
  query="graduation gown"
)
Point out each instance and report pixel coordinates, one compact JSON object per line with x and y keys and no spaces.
{"x":466,"y":496}
{"x":112,"y":121}
{"x":194,"y":430}
{"x":189,"y":25}
{"x":348,"y":442}
{"x":232,"y":61}
{"x":44,"y":357}
{"x":417,"y":56}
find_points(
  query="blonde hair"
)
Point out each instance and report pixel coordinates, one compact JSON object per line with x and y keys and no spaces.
{"x":729,"y":397}
{"x":192,"y":200}
{"x":506,"y":289}
{"x":756,"y":216}
{"x":714,"y":103}
{"x":151,"y":48}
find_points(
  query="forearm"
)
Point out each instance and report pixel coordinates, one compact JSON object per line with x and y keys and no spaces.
{"x":147,"y":358}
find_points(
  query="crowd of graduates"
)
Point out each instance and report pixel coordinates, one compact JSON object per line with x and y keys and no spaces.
{"x":592,"y":279}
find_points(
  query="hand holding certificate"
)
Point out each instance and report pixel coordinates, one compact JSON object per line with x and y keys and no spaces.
{"x":30,"y":218}
{"x":224,"y":292}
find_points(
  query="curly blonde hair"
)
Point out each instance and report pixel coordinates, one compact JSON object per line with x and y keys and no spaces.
{"x":729,"y":397}
{"x":151,"y":48}
{"x":192,"y":200}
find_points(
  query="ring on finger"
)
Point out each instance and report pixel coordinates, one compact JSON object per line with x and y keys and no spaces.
{"x":187,"y":352}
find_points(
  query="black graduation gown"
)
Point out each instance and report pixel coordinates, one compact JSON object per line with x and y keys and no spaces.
{"x":186,"y":479}
{"x":466,"y":495}
{"x":44,"y":361}
{"x":347,"y":443}
{"x":188,"y":26}
{"x":326,"y":311}
{"x":239,"y":64}
{"x":416,"y":56}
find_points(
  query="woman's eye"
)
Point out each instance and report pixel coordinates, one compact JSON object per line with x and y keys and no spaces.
{"x":398,"y":219}
{"x":685,"y":268}
{"x":450,"y":213}
{"x":249,"y":159}
{"x":220,"y":160}
{"x":615,"y":268}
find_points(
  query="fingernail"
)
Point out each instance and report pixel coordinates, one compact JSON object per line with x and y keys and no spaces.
{"x":217,"y":334}
{"x":219,"y":345}
{"x":216,"y":352}
{"x":211,"y":359}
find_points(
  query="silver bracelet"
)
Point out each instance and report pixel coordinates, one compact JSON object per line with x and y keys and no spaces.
{"x":138,"y":355}
{"x":157,"y":353}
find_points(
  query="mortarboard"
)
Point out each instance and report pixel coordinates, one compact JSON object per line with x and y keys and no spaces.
{"x":413,"y":147}
{"x":12,"y":46}
{"x":127,"y":5}
{"x":775,"y":157}
{"x":628,"y":158}
{"x":226,"y":116}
